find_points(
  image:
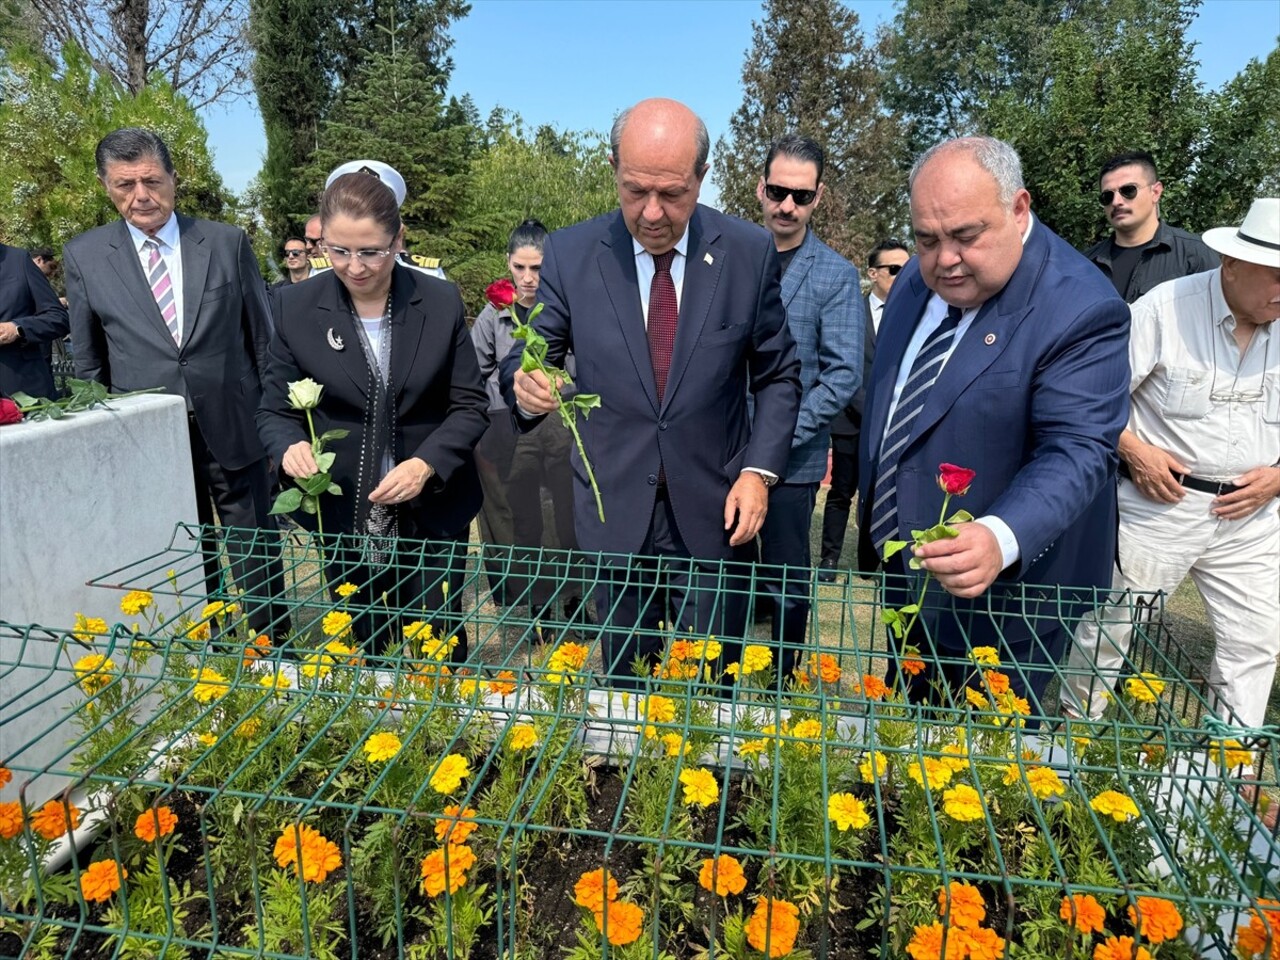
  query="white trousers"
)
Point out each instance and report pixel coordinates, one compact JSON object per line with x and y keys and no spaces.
{"x":1235,"y":564}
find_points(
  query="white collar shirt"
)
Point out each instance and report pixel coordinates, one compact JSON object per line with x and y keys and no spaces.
{"x":645,"y":271}
{"x":170,"y":241}
{"x":877,"y":311}
{"x":1193,"y":392}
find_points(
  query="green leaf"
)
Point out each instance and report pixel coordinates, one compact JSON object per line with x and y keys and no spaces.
{"x":893,"y":546}
{"x":332,"y":435}
{"x":315,"y":484}
{"x":310,"y":504}
{"x":288,"y":501}
{"x":939,"y":531}
{"x":910,"y":608}
{"x":960,"y":516}
{"x":914,"y":564}
{"x":325,"y":462}
{"x":586,"y":402}
{"x":24,"y":400}
{"x":334,"y":489}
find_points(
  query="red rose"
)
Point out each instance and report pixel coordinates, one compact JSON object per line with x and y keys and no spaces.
{"x":9,"y":412}
{"x":501,"y":293}
{"x":955,"y":480}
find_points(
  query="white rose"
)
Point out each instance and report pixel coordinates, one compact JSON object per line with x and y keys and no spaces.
{"x":305,"y":394}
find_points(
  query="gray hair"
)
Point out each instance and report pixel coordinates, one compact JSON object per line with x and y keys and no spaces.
{"x":129,"y":145}
{"x":992,"y":155}
{"x":701,"y":138}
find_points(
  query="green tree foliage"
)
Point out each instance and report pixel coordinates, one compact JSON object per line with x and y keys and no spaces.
{"x":810,"y":71}
{"x":422,"y":33}
{"x":50,"y":123}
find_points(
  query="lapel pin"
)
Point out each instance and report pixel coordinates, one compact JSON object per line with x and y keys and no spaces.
{"x":989,"y":339}
{"x":335,"y":341}
{"x":708,"y":259}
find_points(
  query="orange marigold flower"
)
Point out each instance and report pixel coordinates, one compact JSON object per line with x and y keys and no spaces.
{"x":1155,"y":919}
{"x":5,"y":776}
{"x":260,"y":646}
{"x":504,"y":684}
{"x":591,"y":890}
{"x":314,"y":858}
{"x":912,"y":666}
{"x":150,"y":824}
{"x":1120,"y":948}
{"x":10,"y":820}
{"x":722,"y":876}
{"x":982,"y":944}
{"x":447,"y":866}
{"x":773,"y":926}
{"x":680,"y":650}
{"x":101,"y":879}
{"x":1084,"y":912}
{"x":620,"y":921}
{"x":967,"y":908}
{"x":936,"y":942}
{"x":873,"y":688}
{"x":456,"y":825}
{"x":997,"y":681}
{"x":825,"y":667}
{"x":1251,"y":940}
{"x":54,"y":819}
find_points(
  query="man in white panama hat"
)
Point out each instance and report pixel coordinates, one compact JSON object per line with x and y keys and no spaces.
{"x":1201,"y":469}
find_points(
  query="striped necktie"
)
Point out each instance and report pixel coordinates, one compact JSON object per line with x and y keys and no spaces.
{"x":915,"y":393}
{"x":162,"y":288}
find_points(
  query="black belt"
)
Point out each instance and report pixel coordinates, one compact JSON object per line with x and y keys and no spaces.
{"x":1216,"y":487}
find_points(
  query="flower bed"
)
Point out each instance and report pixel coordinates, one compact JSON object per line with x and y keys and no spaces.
{"x":320,"y":804}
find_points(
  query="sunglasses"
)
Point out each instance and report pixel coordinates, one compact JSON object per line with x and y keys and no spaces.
{"x":295,"y":253}
{"x":1128,"y":191}
{"x":778,"y":194}
{"x":314,"y":239}
{"x":893,"y":268}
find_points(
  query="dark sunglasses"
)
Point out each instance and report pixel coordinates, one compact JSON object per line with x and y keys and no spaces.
{"x":893,"y":268}
{"x":778,"y":194}
{"x":1128,"y":191}
{"x":295,"y":253}
{"x":314,"y":239}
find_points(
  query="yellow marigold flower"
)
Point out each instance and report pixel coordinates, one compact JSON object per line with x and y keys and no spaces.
{"x":935,"y":942}
{"x":659,"y":709}
{"x":936,"y":772}
{"x":1117,"y":806}
{"x":700,"y":787}
{"x":54,"y":819}
{"x":313,"y":855}
{"x":217,"y":609}
{"x":955,"y":757}
{"x":338,"y":650}
{"x":504,"y":684}
{"x":10,"y":820}
{"x":456,"y":824}
{"x":381,"y":747}
{"x":447,"y":867}
{"x":749,"y":747}
{"x":468,"y":689}
{"x":159,"y":822}
{"x":1083,"y":912}
{"x":620,"y":921}
{"x":210,"y":685}
{"x":962,"y":803}
{"x":248,"y":727}
{"x":807,"y":730}
{"x":594,"y":888}
{"x":101,"y":880}
{"x":198,"y":631}
{"x":1157,"y":920}
{"x":336,"y":623}
{"x":135,"y":601}
{"x":93,"y":672}
{"x":1230,"y":754}
{"x":1120,"y":948}
{"x":874,"y":767}
{"x":722,"y":876}
{"x":755,"y":658}
{"x":522,"y":737}
{"x":967,"y":909}
{"x":345,"y":590}
{"x":276,"y":681}
{"x":87,"y":628}
{"x":675,"y":744}
{"x":976,"y":699}
{"x":316,"y":666}
{"x":572,"y":655}
{"x":1045,"y":783}
{"x":1145,"y":688}
{"x":208,"y":739}
{"x":985,"y":655}
{"x":773,"y":926}
{"x":449,"y":773}
{"x":847,"y":811}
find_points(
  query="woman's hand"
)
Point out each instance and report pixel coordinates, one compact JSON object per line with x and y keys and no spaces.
{"x":298,"y":462}
{"x":404,"y":482}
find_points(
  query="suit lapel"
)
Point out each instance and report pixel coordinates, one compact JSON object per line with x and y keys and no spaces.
{"x":195,"y":271}
{"x":408,"y":325}
{"x":128,"y":267}
{"x":333,"y":315}
{"x":617,"y":263}
{"x":799,"y":269}
{"x":701,"y":274}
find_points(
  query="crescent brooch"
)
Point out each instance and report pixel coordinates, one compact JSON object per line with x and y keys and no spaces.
{"x":335,"y":341}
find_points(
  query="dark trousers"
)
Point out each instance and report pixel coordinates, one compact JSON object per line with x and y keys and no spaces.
{"x":664,"y":585}
{"x":248,"y":534}
{"x":844,"y":483}
{"x":786,"y":578}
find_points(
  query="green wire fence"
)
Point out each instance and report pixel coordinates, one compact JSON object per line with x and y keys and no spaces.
{"x":341,"y":782}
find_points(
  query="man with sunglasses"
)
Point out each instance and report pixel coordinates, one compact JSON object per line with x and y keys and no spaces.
{"x":825,"y":315}
{"x":1144,"y":251}
{"x":296,"y":267}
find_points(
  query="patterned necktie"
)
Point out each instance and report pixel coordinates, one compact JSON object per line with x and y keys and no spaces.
{"x":162,"y":288}
{"x":663,"y":313}
{"x":915,"y":392}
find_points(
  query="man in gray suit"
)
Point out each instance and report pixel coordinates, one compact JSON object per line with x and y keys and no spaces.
{"x":158,"y":299}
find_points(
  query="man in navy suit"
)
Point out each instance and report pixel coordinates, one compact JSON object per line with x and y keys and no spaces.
{"x":683,"y":470}
{"x":1025,"y":345}
{"x":31,"y":318}
{"x":825,"y":316}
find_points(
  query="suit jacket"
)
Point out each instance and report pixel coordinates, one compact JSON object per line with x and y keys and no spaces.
{"x":440,"y":398}
{"x":1033,"y":398}
{"x":849,"y":421}
{"x":826,"y":316}
{"x":731,"y":339}
{"x":27,"y":300}
{"x":121,"y":339}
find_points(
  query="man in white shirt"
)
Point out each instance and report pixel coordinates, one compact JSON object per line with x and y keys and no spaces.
{"x":1201,"y":470}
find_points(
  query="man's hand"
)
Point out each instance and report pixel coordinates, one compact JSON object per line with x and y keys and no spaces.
{"x":403,"y":482}
{"x":298,"y":461}
{"x":1152,"y":470}
{"x":8,"y":333}
{"x":748,"y":501}
{"x":965,"y":565}
{"x":1259,"y":488}
{"x":533,"y":392}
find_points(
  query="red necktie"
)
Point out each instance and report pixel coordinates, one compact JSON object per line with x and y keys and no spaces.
{"x":663,"y":312}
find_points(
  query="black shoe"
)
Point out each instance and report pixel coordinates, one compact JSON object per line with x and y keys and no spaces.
{"x":827,"y":570}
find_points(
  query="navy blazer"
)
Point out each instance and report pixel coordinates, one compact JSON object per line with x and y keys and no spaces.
{"x":27,"y":300}
{"x":1033,"y":398}
{"x":731,"y":339}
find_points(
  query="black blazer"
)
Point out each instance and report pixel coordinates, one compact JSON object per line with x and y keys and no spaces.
{"x":441,"y":400}
{"x":27,"y":300}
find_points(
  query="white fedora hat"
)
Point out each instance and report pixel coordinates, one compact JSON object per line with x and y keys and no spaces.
{"x":388,"y":174}
{"x":1257,"y":240}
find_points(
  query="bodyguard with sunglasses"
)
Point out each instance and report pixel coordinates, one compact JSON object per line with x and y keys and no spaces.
{"x":1144,"y":251}
{"x":296,"y":267}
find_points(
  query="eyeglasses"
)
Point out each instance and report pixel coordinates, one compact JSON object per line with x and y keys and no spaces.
{"x":370,"y":258}
{"x":778,"y":194}
{"x":295,"y":253}
{"x":893,"y":268}
{"x":1128,"y":191}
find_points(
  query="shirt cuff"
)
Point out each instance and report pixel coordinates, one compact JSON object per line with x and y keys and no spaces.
{"x":767,"y":474}
{"x":1009,"y":551}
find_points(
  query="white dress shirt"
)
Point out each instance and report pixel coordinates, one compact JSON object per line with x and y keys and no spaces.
{"x":877,"y":311}
{"x":645,"y":271}
{"x":170,"y":242}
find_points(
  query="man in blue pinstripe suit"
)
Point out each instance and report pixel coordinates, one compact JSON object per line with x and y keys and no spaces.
{"x":826,"y":316}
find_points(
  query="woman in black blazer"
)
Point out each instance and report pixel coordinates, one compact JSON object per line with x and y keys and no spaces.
{"x":391,"y":348}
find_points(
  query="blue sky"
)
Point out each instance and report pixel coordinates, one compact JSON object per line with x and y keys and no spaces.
{"x":594,"y":57}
